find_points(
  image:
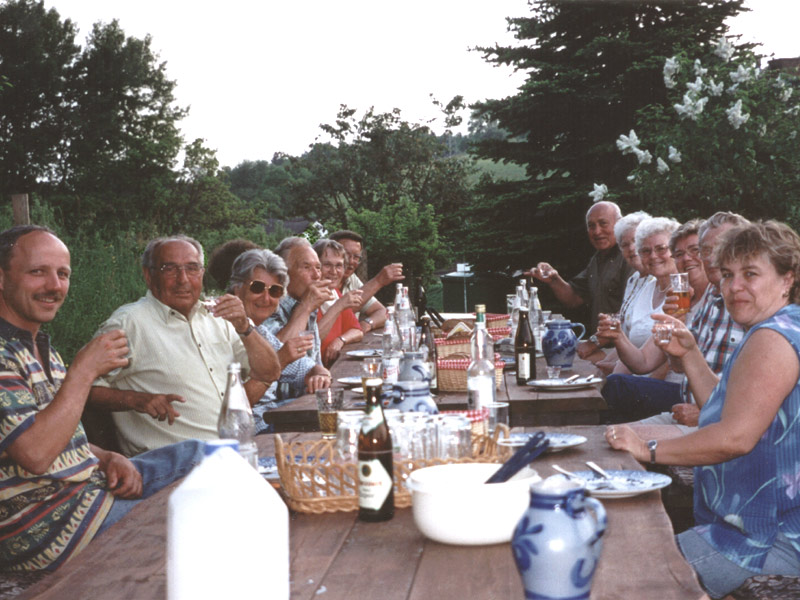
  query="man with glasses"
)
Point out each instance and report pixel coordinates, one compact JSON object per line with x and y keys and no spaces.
{"x":371,"y":313}
{"x":173,"y":386}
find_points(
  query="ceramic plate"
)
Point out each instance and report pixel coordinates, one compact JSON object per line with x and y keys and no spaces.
{"x":366,"y":353}
{"x":558,"y":441}
{"x":557,"y":385}
{"x":350,"y":380}
{"x":623,"y":484}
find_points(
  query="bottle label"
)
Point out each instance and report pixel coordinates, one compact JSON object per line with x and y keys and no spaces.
{"x":374,"y":483}
{"x":371,"y":420}
{"x":391,"y":369}
{"x":524,"y":365}
{"x":480,"y":391}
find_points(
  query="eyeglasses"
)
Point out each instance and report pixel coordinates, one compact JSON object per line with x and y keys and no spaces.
{"x":334,"y":266}
{"x":354,"y":257}
{"x":191,"y":269}
{"x":659,"y":250}
{"x":693,"y":251}
{"x":257,"y":287}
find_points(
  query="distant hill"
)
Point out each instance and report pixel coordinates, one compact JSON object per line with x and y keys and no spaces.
{"x":498,"y":170}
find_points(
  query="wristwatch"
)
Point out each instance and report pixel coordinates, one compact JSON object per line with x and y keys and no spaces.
{"x":250,"y":327}
{"x":652,"y":445}
{"x":593,"y":339}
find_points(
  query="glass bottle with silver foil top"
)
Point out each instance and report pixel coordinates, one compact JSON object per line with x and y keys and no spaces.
{"x":236,"y":417}
{"x":480,"y":373}
{"x":375,"y":467}
{"x":525,"y":349}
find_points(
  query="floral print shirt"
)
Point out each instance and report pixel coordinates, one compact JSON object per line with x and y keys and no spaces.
{"x":742,"y":504}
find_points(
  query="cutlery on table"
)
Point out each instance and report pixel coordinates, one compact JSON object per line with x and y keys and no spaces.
{"x":597,"y":469}
{"x":569,"y":474}
{"x":572,"y":378}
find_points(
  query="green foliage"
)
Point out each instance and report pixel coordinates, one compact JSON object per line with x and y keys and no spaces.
{"x":738,"y":153}
{"x":401,"y":232}
{"x":590,"y":67}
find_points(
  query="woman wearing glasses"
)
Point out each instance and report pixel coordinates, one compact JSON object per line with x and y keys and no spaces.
{"x":338,"y":324}
{"x":259,"y":278}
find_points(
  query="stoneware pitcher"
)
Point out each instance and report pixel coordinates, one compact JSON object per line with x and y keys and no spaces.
{"x":413,"y":367}
{"x":413,"y":396}
{"x":559,"y":343}
{"x":557,"y":542}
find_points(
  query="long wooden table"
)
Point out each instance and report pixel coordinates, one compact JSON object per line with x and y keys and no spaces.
{"x":336,"y":556}
{"x":527,"y":406}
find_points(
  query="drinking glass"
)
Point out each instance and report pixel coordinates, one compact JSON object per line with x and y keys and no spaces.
{"x":347,"y":430}
{"x":498,"y":413}
{"x":679,"y":286}
{"x":553,"y":372}
{"x":662,"y":333}
{"x":613,"y":321}
{"x":329,"y":402}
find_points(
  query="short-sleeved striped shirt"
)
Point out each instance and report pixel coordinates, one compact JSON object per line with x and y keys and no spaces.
{"x":44,"y":519}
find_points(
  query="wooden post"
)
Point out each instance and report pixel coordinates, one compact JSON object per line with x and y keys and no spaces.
{"x":22,"y":215}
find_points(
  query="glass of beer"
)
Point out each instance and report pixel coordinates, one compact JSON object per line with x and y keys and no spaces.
{"x":329,"y":402}
{"x":679,"y":287}
{"x":370,"y":368}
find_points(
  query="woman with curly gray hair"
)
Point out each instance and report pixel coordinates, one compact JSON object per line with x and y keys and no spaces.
{"x":259,"y":278}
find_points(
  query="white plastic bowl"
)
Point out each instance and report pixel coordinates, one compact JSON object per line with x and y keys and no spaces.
{"x":453,"y":505}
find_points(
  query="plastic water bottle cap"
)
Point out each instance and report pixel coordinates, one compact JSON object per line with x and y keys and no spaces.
{"x":214,"y":445}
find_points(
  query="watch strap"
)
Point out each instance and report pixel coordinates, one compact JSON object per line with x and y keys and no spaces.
{"x":652,"y":445}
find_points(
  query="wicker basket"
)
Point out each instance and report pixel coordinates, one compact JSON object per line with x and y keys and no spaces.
{"x":314,"y":482}
{"x":460,"y":345}
{"x":452,"y":372}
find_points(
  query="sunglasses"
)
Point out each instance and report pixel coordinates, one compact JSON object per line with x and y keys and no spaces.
{"x":258,"y":287}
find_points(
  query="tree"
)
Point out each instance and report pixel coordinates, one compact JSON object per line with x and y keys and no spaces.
{"x":590,"y":67}
{"x":37,"y":51}
{"x":377,"y":160}
{"x":727,"y":141}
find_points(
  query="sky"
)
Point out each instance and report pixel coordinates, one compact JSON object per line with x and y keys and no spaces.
{"x":260,"y":76}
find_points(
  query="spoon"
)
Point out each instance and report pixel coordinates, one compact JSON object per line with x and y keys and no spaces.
{"x":597,"y":469}
{"x":569,"y":474}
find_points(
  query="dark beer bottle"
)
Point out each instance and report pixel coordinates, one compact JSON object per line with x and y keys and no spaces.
{"x":524,"y":349}
{"x":431,"y":359}
{"x":375,"y":479}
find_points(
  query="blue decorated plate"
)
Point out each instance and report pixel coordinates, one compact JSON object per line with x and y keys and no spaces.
{"x":558,"y":441}
{"x":623,"y":484}
{"x":561,"y":385}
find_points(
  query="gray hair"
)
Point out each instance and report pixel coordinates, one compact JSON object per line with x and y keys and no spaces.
{"x":323,"y":245}
{"x":689,"y":228}
{"x":249,"y":261}
{"x":607,"y":204}
{"x":653,"y":226}
{"x":288,"y":243}
{"x":628,"y":222}
{"x":154,"y":245}
{"x":720,"y":218}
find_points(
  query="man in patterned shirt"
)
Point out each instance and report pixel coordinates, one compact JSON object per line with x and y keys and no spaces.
{"x":57,"y":491}
{"x":716,"y":334}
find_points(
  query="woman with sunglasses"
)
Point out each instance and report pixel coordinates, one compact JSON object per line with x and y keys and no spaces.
{"x":259,"y":278}
{"x":338,"y":324}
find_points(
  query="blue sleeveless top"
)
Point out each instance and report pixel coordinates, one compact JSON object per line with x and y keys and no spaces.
{"x":741,"y":505}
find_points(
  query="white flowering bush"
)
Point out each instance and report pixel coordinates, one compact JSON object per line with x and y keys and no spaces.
{"x":725,"y":141}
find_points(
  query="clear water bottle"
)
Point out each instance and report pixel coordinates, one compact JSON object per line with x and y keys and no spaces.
{"x":406,"y":323}
{"x":391,"y":343}
{"x":480,"y":373}
{"x":236,"y":417}
{"x":534,"y":308}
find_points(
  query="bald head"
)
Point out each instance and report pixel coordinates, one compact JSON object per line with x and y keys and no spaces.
{"x":600,"y":221}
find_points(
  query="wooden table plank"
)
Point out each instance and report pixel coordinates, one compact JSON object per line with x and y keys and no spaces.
{"x":350,"y":559}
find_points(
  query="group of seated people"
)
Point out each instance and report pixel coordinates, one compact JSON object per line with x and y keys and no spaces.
{"x":728,"y":372}
{"x":158,"y":366}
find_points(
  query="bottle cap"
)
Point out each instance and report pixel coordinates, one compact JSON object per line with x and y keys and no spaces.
{"x":212,"y":446}
{"x":480,"y":308}
{"x":234,"y":366}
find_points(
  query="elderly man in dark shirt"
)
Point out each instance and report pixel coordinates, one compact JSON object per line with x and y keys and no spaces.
{"x":602,"y":283}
